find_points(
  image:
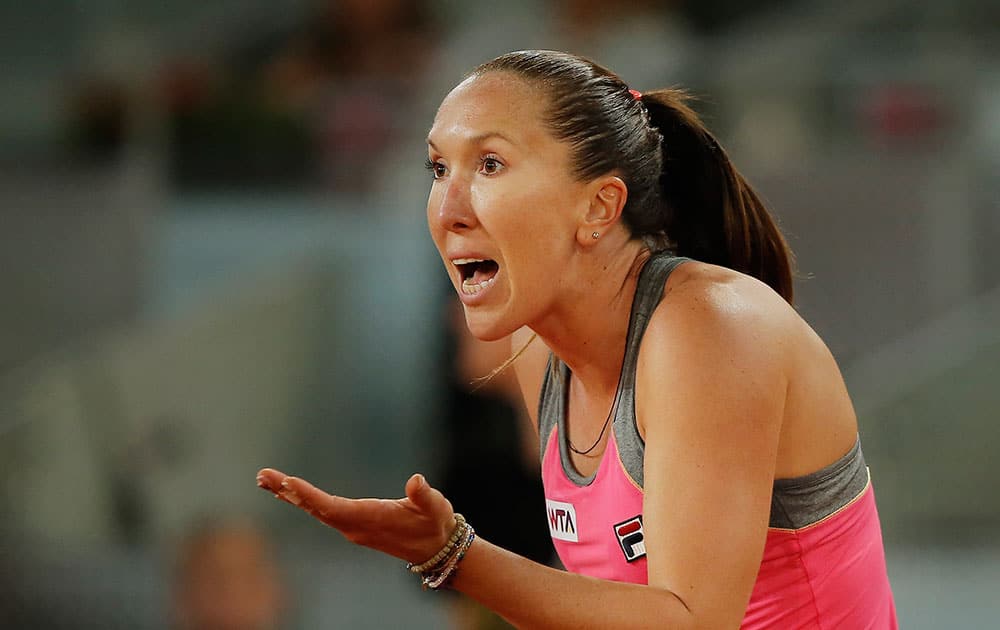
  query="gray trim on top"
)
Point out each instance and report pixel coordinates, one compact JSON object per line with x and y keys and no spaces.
{"x":555,"y":386}
{"x":801,"y":501}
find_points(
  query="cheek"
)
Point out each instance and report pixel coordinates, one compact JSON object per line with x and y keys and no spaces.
{"x":432,"y":202}
{"x":521,"y":213}
{"x":433,"y":225}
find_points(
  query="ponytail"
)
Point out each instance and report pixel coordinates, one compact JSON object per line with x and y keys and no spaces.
{"x":709,"y":211}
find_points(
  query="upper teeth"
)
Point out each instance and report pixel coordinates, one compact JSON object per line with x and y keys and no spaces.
{"x":466,"y":261}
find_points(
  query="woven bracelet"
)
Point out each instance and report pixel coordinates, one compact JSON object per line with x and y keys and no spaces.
{"x":435,"y":581}
{"x":437,"y":559}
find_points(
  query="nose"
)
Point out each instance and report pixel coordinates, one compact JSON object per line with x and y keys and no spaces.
{"x":453,"y":210}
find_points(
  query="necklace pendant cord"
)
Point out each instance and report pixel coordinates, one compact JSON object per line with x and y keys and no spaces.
{"x":592,"y":446}
{"x":600,"y":436}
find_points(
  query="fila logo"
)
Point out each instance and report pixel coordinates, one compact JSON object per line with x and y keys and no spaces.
{"x":562,"y":520}
{"x":629,"y":534}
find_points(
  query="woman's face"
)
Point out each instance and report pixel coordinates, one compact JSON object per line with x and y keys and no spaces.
{"x":504,"y":209}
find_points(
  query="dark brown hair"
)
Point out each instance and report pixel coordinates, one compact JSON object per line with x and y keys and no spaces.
{"x":683,"y":192}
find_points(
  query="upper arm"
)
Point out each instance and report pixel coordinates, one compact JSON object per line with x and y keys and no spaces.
{"x":710,"y":395}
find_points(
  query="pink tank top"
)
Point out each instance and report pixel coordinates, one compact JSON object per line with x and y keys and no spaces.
{"x":829,"y":574}
{"x":823,"y":564}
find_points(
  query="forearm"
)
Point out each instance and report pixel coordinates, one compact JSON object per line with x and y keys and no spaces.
{"x":528,"y":594}
{"x":531,"y":595}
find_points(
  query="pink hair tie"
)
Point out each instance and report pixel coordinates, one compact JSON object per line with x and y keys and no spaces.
{"x":636,"y":94}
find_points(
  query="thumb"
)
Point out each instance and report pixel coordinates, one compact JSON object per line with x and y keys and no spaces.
{"x":421,"y":493}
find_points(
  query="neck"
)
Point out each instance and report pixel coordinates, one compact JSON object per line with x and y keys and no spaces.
{"x":588,"y":329}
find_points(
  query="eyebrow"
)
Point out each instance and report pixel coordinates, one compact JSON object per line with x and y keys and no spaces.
{"x":477,"y":139}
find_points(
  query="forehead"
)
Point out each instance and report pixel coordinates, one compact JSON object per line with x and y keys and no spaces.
{"x":495,"y":102}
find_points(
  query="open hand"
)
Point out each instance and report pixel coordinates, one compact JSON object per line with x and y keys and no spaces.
{"x":413,"y":528}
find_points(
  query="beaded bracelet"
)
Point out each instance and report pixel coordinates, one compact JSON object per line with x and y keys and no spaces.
{"x":435,"y":581}
{"x":437,"y":559}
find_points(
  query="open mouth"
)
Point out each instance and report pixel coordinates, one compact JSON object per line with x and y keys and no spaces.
{"x":477,"y":273}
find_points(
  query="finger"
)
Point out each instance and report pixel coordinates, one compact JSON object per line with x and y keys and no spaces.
{"x":279,"y":497}
{"x":422,"y":495}
{"x":339,"y":512}
{"x":270,"y":479}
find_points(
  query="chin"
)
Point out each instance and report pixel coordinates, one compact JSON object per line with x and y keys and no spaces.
{"x":487,"y":327}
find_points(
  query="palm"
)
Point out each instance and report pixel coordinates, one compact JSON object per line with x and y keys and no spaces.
{"x":412,"y":528}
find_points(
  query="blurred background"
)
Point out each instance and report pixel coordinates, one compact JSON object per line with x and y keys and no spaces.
{"x":213,"y":258}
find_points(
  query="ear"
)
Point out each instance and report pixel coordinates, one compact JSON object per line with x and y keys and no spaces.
{"x":608,"y":196}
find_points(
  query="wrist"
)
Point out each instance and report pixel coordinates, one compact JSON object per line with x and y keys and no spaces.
{"x":437,"y":571}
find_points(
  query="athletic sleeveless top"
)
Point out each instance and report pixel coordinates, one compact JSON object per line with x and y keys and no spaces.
{"x":823,"y":564}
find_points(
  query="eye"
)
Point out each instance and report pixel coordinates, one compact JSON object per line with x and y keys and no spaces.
{"x":490,"y":165}
{"x":437,"y":169}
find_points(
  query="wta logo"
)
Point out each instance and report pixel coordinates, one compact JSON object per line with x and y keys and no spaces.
{"x":562,"y":520}
{"x":629,"y":534}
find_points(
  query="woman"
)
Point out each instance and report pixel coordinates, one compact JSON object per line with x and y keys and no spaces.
{"x":700,"y":452}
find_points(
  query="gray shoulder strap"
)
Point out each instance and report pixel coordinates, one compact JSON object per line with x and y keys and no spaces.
{"x":550,"y":401}
{"x":648,"y":293}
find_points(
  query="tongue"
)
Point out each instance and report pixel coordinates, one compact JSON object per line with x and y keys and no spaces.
{"x":484,"y":272}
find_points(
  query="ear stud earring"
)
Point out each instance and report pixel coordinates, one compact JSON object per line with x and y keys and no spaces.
{"x":596,"y":235}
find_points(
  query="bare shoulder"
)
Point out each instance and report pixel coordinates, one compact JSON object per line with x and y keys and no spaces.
{"x":530,"y":367}
{"x":723,"y":336}
{"x":719,"y":335}
{"x":702,"y":301}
